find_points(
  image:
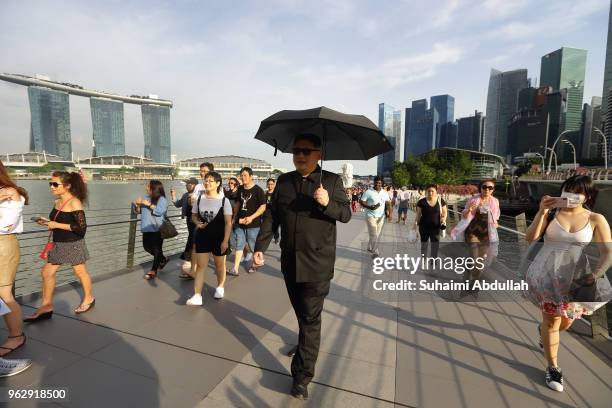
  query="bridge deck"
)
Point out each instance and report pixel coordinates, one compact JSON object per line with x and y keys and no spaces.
{"x":141,"y":347}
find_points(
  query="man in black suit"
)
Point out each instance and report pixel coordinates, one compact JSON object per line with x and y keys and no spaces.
{"x":306,"y":208}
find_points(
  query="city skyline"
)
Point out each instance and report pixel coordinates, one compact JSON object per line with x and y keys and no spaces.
{"x":227,"y":68}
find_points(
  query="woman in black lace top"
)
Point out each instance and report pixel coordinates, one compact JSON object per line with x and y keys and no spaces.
{"x":68,"y":226}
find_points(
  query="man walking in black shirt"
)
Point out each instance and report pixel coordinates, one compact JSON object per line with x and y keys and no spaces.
{"x":306,"y":206}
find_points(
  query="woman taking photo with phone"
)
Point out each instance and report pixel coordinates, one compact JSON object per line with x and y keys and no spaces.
{"x":557,"y":272}
{"x":12,"y":201}
{"x":152,"y":209}
{"x":67,"y":225}
{"x":212,"y":215}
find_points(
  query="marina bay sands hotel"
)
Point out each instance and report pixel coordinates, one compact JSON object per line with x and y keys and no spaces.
{"x":50,"y":119}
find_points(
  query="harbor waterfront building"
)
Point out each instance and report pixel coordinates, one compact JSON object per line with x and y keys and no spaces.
{"x":390,"y":123}
{"x":50,"y":119}
{"x":226,"y":166}
{"x":470,"y":132}
{"x":565,"y":69}
{"x":502,"y":102}
{"x":50,"y":122}
{"x":108,"y":127}
{"x":421,"y":136}
{"x":156,"y":127}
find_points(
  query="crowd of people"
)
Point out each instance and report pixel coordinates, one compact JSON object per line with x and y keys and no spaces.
{"x":301,"y":208}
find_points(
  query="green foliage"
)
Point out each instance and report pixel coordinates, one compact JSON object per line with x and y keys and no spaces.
{"x":454,"y":169}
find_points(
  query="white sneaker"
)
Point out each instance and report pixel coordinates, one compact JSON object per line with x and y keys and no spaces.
{"x":219,"y":293}
{"x":186,"y":267}
{"x":195,"y":300}
{"x":12,"y":367}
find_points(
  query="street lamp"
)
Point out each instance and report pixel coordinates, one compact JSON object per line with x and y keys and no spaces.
{"x":605,"y":149}
{"x":553,"y":147}
{"x":552,"y":152}
{"x":573,"y":151}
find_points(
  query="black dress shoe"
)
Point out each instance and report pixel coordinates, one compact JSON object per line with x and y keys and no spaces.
{"x":42,"y":316}
{"x":292,"y":352}
{"x":299,"y":391}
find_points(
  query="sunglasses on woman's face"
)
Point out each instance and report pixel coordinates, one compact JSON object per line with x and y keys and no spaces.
{"x":488,"y":187}
{"x":54,"y":184}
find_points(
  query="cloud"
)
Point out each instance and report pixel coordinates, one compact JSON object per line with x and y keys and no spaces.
{"x":388,"y":74}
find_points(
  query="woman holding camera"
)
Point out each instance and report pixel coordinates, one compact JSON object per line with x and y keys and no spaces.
{"x":561,"y":282}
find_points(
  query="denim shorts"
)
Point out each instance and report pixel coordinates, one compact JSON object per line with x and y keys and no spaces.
{"x":242,"y":236}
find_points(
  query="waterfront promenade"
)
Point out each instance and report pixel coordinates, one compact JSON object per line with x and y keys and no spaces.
{"x":141,"y":347}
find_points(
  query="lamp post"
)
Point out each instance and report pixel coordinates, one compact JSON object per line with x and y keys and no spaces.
{"x":552,"y":152}
{"x":605,"y":149}
{"x":554,"y":145}
{"x":573,"y":151}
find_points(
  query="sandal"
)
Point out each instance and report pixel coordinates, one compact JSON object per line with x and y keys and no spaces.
{"x":232,"y":272}
{"x":85,"y":308}
{"x":10,"y":350}
{"x":185,"y":276}
{"x":150,"y":275}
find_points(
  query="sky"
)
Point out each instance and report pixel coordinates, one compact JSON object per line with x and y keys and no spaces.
{"x":229,"y":65}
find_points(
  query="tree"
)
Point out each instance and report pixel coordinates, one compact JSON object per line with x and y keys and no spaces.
{"x":400,"y":174}
{"x":425,"y":175}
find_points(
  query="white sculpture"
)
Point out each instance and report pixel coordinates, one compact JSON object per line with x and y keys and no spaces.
{"x":347,"y":175}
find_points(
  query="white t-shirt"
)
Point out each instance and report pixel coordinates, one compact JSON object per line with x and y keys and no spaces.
{"x":209,"y":207}
{"x":199,"y":188}
{"x":11,"y":215}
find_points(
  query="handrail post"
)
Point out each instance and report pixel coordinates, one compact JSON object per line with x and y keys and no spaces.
{"x":599,"y":322}
{"x":132,"y":237}
{"x":521,"y":223}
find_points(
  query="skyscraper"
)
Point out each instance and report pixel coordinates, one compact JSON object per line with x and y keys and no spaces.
{"x":565,"y":69}
{"x":591,"y":115}
{"x":502,"y":100}
{"x":448,"y":135}
{"x":445,"y":106}
{"x":421,"y":136}
{"x":108,"y":129}
{"x":50,"y":122}
{"x":390,"y":123}
{"x":607,"y":82}
{"x":406,"y":130}
{"x":156,"y":126}
{"x":397,"y":134}
{"x":470,"y":132}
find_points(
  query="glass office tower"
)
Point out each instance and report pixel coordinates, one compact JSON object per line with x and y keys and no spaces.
{"x":390,"y":123}
{"x":108,"y":128}
{"x":502,"y":101}
{"x":156,"y":126}
{"x":565,"y":69}
{"x":50,"y":122}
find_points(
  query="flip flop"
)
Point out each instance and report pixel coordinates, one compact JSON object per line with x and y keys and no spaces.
{"x":150,"y":275}
{"x":10,"y":350}
{"x":86,"y":307}
{"x":231,"y":272}
{"x":185,"y":276}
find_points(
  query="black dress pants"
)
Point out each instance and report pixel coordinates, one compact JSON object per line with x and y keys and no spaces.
{"x":152,"y":242}
{"x":430,"y":234}
{"x":186,"y":255}
{"x":307,"y":301}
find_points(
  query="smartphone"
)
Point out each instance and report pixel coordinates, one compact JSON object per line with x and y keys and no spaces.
{"x":560,"y":202}
{"x":38,"y":219}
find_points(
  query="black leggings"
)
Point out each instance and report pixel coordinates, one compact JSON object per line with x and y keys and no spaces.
{"x":430,"y":234}
{"x":152,"y":242}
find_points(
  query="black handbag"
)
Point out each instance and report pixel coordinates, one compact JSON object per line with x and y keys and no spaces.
{"x":167,"y":229}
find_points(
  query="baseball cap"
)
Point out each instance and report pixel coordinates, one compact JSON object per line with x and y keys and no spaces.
{"x":191,"y":180}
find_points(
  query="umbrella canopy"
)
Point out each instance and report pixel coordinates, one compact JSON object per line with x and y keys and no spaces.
{"x":343,"y":136}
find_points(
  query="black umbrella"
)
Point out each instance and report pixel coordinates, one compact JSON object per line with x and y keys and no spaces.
{"x":343,"y":136}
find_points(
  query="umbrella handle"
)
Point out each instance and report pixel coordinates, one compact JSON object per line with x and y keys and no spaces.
{"x":323,"y":153}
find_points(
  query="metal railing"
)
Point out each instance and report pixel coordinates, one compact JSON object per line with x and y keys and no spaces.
{"x":113,"y":245}
{"x":598,"y":320}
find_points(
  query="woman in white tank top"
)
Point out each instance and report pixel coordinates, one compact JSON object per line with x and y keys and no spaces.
{"x":561,"y":263}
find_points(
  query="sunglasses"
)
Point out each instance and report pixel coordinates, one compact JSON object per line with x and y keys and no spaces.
{"x":54,"y":184}
{"x":488,"y":187}
{"x":305,"y":151}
